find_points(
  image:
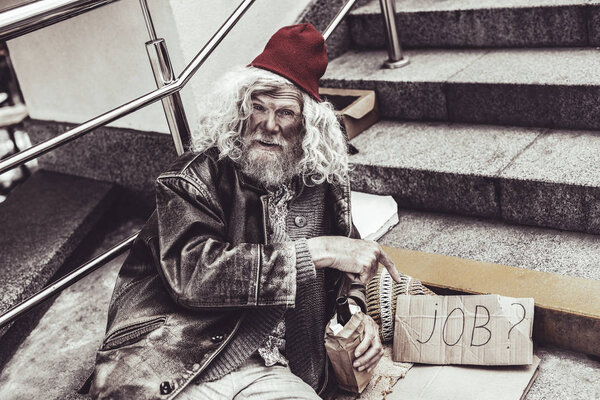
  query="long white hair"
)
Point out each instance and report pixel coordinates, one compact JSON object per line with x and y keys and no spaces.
{"x":226,"y":110}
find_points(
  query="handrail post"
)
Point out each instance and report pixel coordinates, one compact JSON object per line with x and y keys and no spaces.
{"x":163,"y":75}
{"x":395,"y":58}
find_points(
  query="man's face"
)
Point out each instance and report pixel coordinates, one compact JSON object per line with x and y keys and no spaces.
{"x":273,"y":136}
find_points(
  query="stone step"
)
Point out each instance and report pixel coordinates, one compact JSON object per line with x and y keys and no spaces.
{"x":573,"y":375}
{"x":572,"y":254}
{"x":42,"y":223}
{"x":528,"y":176}
{"x":481,"y":23}
{"x":555,"y":88}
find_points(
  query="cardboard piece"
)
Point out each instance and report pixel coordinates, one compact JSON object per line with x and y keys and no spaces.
{"x":474,"y":330}
{"x":561,"y":302}
{"x":426,"y":382}
{"x":373,"y":215}
{"x":357,"y":108}
{"x":340,"y":348}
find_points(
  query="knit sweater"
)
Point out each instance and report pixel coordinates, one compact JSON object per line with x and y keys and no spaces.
{"x":273,"y":348}
{"x":305,"y":323}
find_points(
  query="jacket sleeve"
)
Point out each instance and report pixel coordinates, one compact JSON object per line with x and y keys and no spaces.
{"x":202,"y":270}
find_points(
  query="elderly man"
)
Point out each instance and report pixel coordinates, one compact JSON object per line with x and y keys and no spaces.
{"x":227,"y":290}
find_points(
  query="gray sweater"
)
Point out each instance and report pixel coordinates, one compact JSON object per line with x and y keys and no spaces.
{"x":305,"y":323}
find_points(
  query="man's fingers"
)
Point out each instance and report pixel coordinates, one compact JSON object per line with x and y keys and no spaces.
{"x":389,"y":265}
{"x":355,"y":278}
{"x":366,"y":276}
{"x":370,"y":350}
{"x":363,"y":347}
{"x":369,"y":359}
{"x":373,"y":361}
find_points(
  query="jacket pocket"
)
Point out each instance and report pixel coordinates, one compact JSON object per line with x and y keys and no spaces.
{"x":131,"y":333}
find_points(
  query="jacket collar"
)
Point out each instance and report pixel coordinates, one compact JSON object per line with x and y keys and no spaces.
{"x":340,"y":195}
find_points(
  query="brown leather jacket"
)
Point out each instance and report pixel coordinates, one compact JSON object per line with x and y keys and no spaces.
{"x":200,"y":260}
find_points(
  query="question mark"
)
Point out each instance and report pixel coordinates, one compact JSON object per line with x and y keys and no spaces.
{"x":524,"y":312}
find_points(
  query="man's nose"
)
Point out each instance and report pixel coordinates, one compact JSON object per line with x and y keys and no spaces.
{"x":270,"y":123}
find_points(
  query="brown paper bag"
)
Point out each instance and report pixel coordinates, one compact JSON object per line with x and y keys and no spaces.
{"x":340,"y":349}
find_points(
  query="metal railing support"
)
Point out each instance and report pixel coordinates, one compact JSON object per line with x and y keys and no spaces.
{"x":19,"y":20}
{"x":163,"y":75}
{"x":395,"y":58}
{"x":127,"y":108}
{"x":66,"y":281}
{"x":338,"y":18}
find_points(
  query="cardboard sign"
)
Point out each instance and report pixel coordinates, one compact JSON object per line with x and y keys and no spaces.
{"x":475,"y":330}
{"x":561,"y":302}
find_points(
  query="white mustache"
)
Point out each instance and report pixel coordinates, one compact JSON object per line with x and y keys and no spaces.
{"x":259,"y":136}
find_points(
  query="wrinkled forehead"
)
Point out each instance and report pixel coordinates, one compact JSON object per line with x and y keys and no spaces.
{"x":283,"y":95}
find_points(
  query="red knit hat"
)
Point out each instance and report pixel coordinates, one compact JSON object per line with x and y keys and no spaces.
{"x":298,"y":53}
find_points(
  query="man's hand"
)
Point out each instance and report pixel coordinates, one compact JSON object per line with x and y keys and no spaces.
{"x":369,"y":351}
{"x":359,"y":258}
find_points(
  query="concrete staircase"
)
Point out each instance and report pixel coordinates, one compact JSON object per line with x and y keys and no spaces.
{"x":533,"y":176}
{"x":42,"y":224}
{"x":550,"y":87}
{"x":508,"y":134}
{"x":489,"y":140}
{"x":502,"y":133}
{"x":482,"y":23}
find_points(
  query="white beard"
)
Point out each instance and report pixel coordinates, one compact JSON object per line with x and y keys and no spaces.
{"x":270,"y":169}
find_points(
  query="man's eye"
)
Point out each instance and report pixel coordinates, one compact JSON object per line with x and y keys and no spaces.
{"x":258,"y":107}
{"x":288,"y":113}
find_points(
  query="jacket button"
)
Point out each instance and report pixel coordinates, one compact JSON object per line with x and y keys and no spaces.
{"x":166,"y":388}
{"x":217,"y":338}
{"x":300,"y":221}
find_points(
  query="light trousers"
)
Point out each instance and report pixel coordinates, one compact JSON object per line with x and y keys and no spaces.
{"x":252,"y":380}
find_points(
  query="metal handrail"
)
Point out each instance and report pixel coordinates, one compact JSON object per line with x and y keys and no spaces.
{"x":25,"y":18}
{"x":127,"y":108}
{"x":97,"y":262}
{"x":148,"y":20}
{"x":22,"y":19}
{"x":338,"y":18}
{"x":67,"y":280}
{"x":80,"y":130}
